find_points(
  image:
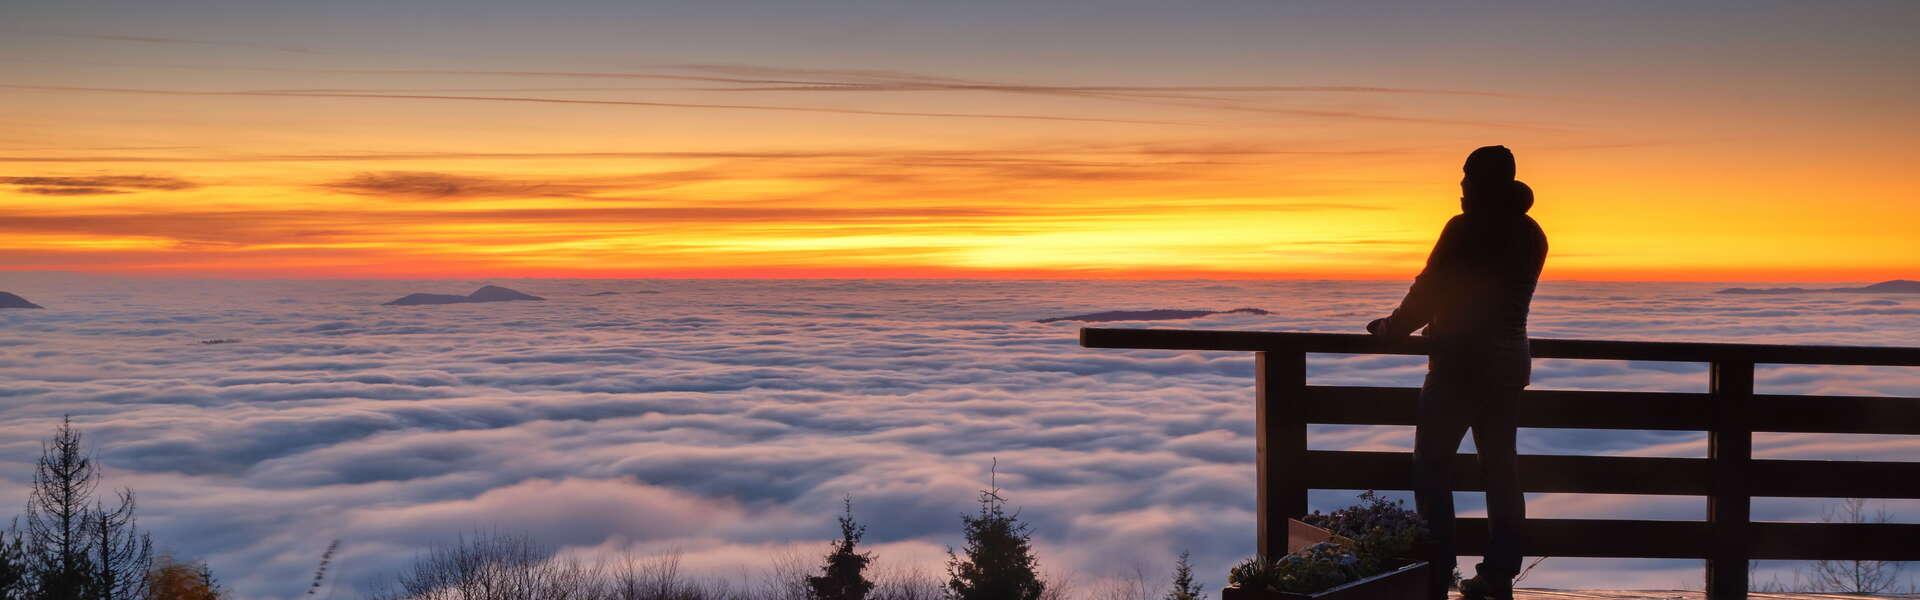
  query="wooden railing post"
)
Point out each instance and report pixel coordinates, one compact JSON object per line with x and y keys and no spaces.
{"x":1729,"y":508}
{"x":1280,"y":384}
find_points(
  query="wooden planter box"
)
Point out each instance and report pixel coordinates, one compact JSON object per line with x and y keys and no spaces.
{"x":1405,"y":583}
{"x":1408,"y":582}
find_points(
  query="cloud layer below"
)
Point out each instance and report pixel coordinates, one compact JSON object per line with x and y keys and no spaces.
{"x":728,"y":418}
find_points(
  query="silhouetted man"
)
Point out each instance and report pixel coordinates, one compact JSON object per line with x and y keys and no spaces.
{"x":1472,"y":298}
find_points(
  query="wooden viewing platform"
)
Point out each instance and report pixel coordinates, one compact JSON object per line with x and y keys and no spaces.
{"x":1729,"y":411}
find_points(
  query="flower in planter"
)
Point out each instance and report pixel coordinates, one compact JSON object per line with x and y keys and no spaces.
{"x":1382,"y":530}
{"x":1381,"y":534}
{"x":1315,"y":568}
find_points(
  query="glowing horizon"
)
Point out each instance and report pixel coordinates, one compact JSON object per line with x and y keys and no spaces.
{"x":498,"y":147}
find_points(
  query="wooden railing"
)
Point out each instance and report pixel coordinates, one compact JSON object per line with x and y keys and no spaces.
{"x":1729,"y":477}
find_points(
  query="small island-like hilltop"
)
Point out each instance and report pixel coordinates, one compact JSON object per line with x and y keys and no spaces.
{"x":1896,"y":286}
{"x":9,"y":300}
{"x":487,"y":293}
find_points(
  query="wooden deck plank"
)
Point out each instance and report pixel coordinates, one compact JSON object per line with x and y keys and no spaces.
{"x":1552,"y":594}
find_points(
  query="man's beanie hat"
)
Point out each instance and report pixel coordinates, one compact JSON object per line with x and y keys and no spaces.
{"x":1490,"y":163}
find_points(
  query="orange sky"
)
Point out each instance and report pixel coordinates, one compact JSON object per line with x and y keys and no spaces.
{"x":612,"y":145}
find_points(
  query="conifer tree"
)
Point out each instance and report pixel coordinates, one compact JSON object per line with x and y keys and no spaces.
{"x":14,"y":574}
{"x":1184,"y":588}
{"x":999,"y":562}
{"x":59,"y":511}
{"x":203,"y":574}
{"x":122,"y":554}
{"x":843,"y":577}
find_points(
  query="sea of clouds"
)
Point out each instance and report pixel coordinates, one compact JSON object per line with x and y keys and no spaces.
{"x":726,"y":420}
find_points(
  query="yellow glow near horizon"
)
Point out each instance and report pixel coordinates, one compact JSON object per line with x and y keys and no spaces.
{"x":1130,"y":216}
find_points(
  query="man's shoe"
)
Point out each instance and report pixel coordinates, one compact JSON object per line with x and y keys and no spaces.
{"x":1480,"y":587}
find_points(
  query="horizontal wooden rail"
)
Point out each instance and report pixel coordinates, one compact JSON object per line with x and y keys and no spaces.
{"x":1347,"y":343}
{"x":1597,"y":538}
{"x":1729,"y":412}
{"x":1569,"y":409}
{"x":1835,"y":541}
{"x":1605,"y":538}
{"x":1339,"y":470}
{"x":1834,"y":414}
{"x":1343,"y":470}
{"x":1350,"y":405}
{"x":1835,"y":479}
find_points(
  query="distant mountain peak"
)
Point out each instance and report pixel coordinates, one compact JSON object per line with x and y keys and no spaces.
{"x":486,"y":293}
{"x":1158,"y":314}
{"x":8,"y":300}
{"x":1898,"y":286}
{"x":494,"y":293}
{"x":1895,"y":286}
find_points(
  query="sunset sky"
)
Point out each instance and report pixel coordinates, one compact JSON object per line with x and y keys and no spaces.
{"x":1151,"y":140}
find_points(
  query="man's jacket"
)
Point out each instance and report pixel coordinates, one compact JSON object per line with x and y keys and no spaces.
{"x":1474,"y":294}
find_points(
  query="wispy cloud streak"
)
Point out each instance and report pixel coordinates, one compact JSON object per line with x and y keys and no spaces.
{"x":95,"y":185}
{"x":589,"y":102}
{"x":751,"y":78}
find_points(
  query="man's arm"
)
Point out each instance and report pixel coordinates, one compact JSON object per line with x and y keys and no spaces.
{"x":1416,"y":310}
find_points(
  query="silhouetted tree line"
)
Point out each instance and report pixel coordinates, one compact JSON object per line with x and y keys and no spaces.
{"x":997,"y":563}
{"x":73,"y":545}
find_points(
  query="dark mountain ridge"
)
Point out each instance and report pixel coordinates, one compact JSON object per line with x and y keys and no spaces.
{"x":1896,"y":286}
{"x":487,"y":293}
{"x":8,"y":300}
{"x":1158,"y":314}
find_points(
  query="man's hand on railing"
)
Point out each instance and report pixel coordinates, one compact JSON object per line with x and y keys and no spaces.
{"x":1377,"y":326}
